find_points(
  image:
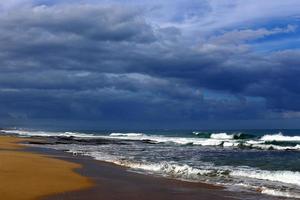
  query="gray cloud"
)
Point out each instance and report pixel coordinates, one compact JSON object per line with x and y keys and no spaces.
{"x":90,"y":62}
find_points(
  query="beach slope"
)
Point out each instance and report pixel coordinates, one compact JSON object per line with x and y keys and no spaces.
{"x":30,"y":176}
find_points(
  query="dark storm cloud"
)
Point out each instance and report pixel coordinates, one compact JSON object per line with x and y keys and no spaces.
{"x":90,"y":62}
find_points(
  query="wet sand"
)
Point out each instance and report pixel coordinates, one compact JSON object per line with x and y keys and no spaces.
{"x":30,"y":176}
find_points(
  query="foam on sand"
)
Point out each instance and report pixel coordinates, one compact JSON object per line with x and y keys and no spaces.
{"x":278,"y":193}
{"x":278,"y":176}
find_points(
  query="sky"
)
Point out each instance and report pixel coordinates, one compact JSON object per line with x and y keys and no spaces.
{"x":148,"y":64}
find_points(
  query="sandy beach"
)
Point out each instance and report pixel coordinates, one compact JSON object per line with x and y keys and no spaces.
{"x":29,"y":176}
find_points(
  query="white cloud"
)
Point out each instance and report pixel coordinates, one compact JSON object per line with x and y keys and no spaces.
{"x":238,"y":36}
{"x":6,"y":5}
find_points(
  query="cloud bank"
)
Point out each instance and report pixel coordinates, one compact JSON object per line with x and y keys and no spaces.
{"x":128,"y":64}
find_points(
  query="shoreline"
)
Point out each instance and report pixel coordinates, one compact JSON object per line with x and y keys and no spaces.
{"x":116,"y":182}
{"x":111,"y":181}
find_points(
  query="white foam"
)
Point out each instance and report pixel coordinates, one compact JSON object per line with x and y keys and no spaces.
{"x":28,"y":133}
{"x":221,"y":136}
{"x":278,"y":176}
{"x":174,"y":170}
{"x":216,"y":139}
{"x":230,"y":144}
{"x":250,"y":142}
{"x":275,"y":147}
{"x":280,"y":137}
{"x":249,"y":177}
{"x":260,"y":144}
{"x":48,"y":134}
{"x":183,"y":172}
{"x":278,"y":193}
{"x":190,"y":173}
{"x":268,"y":191}
{"x":122,"y":136}
{"x":164,"y":139}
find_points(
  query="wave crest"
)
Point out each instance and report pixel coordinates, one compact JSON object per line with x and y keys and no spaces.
{"x":280,"y":137}
{"x":225,"y":140}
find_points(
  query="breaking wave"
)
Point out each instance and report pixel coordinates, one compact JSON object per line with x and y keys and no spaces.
{"x":223,"y":139}
{"x":235,"y":136}
{"x":226,"y":175}
{"x":280,"y":137}
{"x":278,"y":176}
{"x":187,"y":172}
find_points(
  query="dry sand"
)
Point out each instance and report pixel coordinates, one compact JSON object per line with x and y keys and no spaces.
{"x":31,"y":176}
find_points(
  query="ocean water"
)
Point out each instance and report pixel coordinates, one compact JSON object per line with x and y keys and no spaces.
{"x":265,"y":161}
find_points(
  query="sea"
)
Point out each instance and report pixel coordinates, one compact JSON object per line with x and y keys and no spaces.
{"x":264,"y":161}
